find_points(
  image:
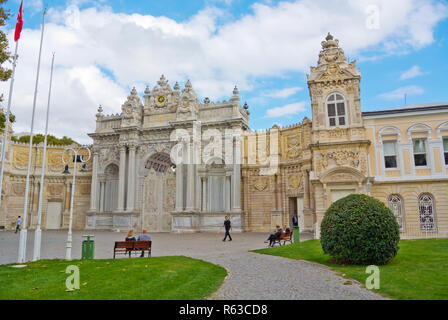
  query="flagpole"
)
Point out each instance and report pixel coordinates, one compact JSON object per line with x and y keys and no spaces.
{"x":38,"y":232}
{"x":8,"y":114}
{"x":24,"y":231}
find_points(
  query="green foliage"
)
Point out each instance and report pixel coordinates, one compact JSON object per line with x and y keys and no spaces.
{"x":5,"y":55}
{"x":360,"y":230}
{"x":12,"y":119}
{"x":51,"y":140}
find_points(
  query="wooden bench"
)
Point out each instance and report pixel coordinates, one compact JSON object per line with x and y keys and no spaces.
{"x":129,"y":247}
{"x":285,"y":237}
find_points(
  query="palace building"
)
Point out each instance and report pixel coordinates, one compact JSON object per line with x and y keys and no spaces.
{"x":258,"y":178}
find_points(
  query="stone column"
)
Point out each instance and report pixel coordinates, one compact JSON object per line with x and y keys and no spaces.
{"x":306,"y":189}
{"x":237,"y":176}
{"x":227,"y":195}
{"x":94,"y":188}
{"x":131,"y":180}
{"x":180,"y":187}
{"x":102,"y":193}
{"x":122,"y":178}
{"x":204,"y":193}
{"x":190,"y":182}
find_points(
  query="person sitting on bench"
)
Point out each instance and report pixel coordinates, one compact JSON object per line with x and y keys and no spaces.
{"x":286,"y":229}
{"x":130,"y":236}
{"x":275,"y":236}
{"x":144,"y":237}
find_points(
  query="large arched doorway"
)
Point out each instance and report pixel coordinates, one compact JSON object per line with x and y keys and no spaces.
{"x":159,"y":193}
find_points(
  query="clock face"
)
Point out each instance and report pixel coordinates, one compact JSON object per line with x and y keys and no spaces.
{"x":161,"y":99}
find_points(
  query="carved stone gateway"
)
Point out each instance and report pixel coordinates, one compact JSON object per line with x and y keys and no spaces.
{"x":151,"y":192}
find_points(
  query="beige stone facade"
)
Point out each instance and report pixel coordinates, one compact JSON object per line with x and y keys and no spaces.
{"x":260,"y":179}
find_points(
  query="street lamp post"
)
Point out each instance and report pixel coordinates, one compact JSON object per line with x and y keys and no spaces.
{"x":75,"y":152}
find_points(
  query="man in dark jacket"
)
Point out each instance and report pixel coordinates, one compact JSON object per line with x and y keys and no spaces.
{"x":227,"y":226}
{"x":275,"y":236}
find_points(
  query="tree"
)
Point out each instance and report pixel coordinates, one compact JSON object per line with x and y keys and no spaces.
{"x":51,"y":140}
{"x":5,"y":55}
{"x":361,"y":230}
{"x":12,"y":119}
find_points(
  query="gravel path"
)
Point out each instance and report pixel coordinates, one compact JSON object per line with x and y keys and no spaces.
{"x":251,"y":276}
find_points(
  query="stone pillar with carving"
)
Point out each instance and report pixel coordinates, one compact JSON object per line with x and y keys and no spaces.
{"x":190,"y":205}
{"x":306,"y":189}
{"x":122,"y":178}
{"x":131,"y":179}
{"x":102,"y":194}
{"x":236,"y":205}
{"x":180,"y":185}
{"x":204,"y":193}
{"x":94,"y":188}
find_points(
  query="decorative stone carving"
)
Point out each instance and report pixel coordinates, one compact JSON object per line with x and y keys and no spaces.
{"x":338,"y":133}
{"x":295,"y":180}
{"x":132,"y":110}
{"x":189,"y":104}
{"x":294,"y":146}
{"x":261,"y":184}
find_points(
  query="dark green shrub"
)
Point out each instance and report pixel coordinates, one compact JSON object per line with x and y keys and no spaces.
{"x":359,"y":229}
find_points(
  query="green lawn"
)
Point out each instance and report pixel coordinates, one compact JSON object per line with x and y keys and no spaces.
{"x":159,"y":278}
{"x":419,"y":271}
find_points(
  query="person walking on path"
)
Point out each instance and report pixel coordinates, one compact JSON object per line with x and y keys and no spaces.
{"x":18,"y":224}
{"x":227,"y":226}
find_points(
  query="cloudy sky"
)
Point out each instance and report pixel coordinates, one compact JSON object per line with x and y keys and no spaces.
{"x":104,"y":48}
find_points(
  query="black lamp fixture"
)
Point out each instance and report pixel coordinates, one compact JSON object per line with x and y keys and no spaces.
{"x":66,"y":170}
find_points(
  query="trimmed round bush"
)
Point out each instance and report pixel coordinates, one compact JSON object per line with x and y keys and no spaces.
{"x":360,"y":230}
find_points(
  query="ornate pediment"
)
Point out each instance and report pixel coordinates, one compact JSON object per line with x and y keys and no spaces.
{"x":132,"y":110}
{"x":189,"y":104}
{"x":162,"y":98}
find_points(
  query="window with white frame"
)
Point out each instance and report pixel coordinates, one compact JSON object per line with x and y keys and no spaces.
{"x":396,"y":206}
{"x":390,"y":154}
{"x":445,"y":149}
{"x":336,"y":110}
{"x":420,"y":152}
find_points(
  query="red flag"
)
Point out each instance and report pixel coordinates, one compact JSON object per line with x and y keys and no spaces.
{"x":19,"y":24}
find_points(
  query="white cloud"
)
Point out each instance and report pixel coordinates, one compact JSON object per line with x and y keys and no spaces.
{"x":283,"y":93}
{"x":401,"y":92}
{"x":287,"y":110}
{"x":136,"y":49}
{"x":415,"y":71}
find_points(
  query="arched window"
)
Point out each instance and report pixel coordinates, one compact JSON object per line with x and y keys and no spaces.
{"x":336,"y":110}
{"x":396,"y":206}
{"x":426,"y":212}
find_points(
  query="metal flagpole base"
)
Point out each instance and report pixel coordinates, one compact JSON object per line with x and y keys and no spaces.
{"x":68,"y":252}
{"x":37,"y":244}
{"x":22,"y":245}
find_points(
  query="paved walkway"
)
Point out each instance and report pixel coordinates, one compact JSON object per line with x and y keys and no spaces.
{"x":251,"y":276}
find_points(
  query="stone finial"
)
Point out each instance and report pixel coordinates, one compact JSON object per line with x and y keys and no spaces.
{"x":100,"y":112}
{"x":207,"y":100}
{"x":134,"y":92}
{"x":330,"y":42}
{"x":147,"y":90}
{"x":235,"y":91}
{"x":176,"y":86}
{"x":162,"y":82}
{"x":188,"y":85}
{"x":246,"y":106}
